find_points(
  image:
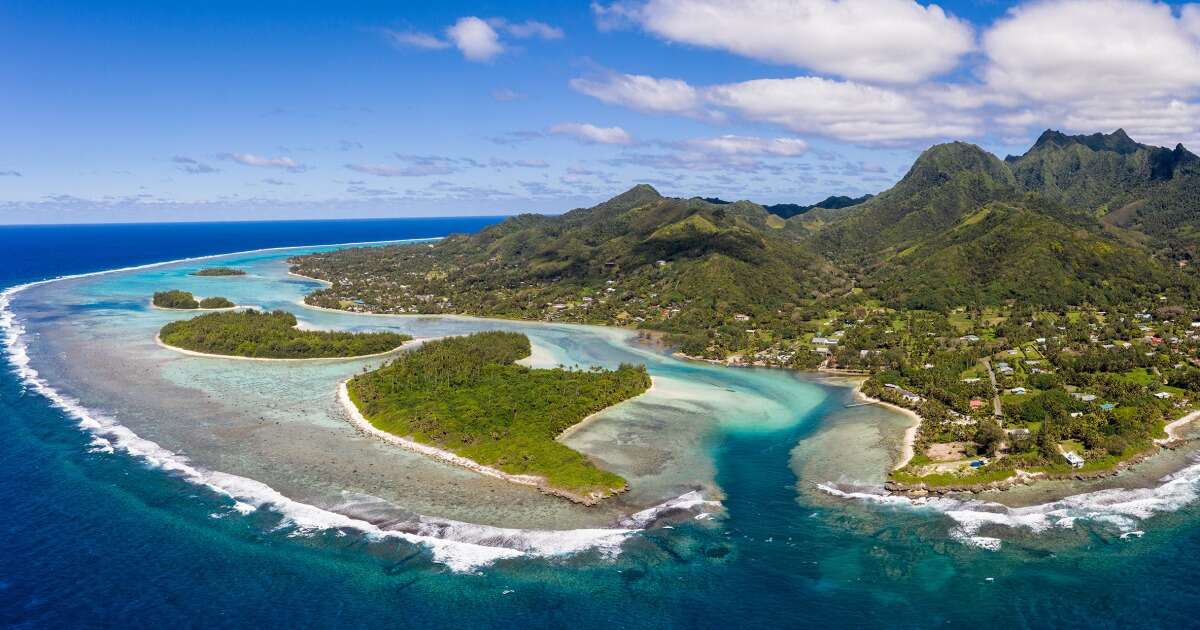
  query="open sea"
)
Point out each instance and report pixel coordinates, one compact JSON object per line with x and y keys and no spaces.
{"x":144,"y":489}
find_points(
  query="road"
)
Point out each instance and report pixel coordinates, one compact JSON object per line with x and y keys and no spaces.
{"x":987,"y":363}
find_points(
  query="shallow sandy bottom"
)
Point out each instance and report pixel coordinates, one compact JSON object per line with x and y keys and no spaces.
{"x":280,"y":424}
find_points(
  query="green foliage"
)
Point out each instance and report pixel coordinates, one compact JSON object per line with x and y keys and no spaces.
{"x":465,"y":394}
{"x":175,"y":299}
{"x":219,"y":271}
{"x":271,"y":336}
{"x":216,"y":302}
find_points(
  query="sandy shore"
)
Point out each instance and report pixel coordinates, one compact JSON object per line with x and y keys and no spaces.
{"x":908,"y":446}
{"x":192,"y":353}
{"x":1173,"y":428}
{"x":567,"y":432}
{"x":365,"y":427}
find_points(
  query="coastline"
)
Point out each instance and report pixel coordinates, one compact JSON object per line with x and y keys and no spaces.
{"x":192,"y":353}
{"x":365,"y":427}
{"x":1172,"y":428}
{"x":909,"y":443}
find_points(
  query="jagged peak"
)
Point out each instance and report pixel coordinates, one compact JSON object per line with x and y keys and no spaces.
{"x":1117,"y":141}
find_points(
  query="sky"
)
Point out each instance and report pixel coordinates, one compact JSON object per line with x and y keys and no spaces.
{"x":221,"y":110}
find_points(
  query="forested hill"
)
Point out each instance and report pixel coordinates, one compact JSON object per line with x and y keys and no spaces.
{"x":685,"y":264}
{"x":1094,"y":220}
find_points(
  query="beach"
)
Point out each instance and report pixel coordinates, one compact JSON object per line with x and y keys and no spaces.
{"x":1172,"y":429}
{"x":909,"y":441}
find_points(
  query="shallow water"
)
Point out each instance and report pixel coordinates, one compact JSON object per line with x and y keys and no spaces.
{"x":223,"y":526}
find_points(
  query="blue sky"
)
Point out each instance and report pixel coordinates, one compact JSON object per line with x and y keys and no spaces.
{"x":159,"y":111}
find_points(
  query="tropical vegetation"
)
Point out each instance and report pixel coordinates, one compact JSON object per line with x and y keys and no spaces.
{"x":466,"y":395}
{"x":273,"y":335}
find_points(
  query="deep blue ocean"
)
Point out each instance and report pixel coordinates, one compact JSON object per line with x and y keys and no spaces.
{"x":101,"y":540}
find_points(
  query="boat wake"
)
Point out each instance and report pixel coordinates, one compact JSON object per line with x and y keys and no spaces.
{"x":1121,"y":508}
{"x":459,"y":546}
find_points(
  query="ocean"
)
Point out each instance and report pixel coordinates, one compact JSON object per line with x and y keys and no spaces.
{"x":95,"y":535}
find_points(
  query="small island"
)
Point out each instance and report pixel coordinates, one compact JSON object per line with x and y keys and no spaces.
{"x":185,"y":301}
{"x":219,"y":271}
{"x":260,"y":335}
{"x":466,"y":398}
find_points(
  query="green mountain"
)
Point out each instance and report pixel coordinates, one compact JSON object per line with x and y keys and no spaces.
{"x":945,"y":184}
{"x":685,"y":264}
{"x":1076,"y":220}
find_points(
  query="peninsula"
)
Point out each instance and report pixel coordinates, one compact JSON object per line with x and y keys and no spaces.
{"x":274,"y":335}
{"x":466,"y":398}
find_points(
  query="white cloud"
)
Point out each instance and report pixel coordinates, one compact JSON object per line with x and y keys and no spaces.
{"x":644,"y":93}
{"x":747,"y":145}
{"x":416,"y":40}
{"x":250,"y":159}
{"x":844,"y":110}
{"x":528,"y":28}
{"x":1065,"y":50}
{"x":592,"y":133}
{"x":475,"y":38}
{"x":895,"y":41}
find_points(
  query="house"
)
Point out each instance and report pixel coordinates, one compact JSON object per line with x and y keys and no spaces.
{"x":1084,"y":397}
{"x":970,"y":380}
{"x":1041,"y":340}
{"x":1073,"y":459}
{"x":1162,"y":395}
{"x":825,"y":341}
{"x":1019,"y":391}
{"x":975,"y":404}
{"x":1019,"y":433}
{"x":970,"y":338}
{"x":741,"y":318}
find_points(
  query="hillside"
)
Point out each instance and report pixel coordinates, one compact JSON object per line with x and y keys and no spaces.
{"x":945,"y":184}
{"x":1077,"y":220}
{"x":676,"y":265}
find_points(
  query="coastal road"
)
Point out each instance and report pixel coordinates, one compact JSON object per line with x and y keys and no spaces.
{"x":987,"y":363}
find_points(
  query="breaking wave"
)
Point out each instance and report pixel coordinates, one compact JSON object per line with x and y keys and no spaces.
{"x":457,"y":545}
{"x":1121,"y":508}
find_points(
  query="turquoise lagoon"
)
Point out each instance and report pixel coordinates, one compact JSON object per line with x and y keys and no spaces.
{"x":754,"y":492}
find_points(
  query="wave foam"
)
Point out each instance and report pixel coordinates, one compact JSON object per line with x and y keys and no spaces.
{"x":1122,"y":508}
{"x":457,"y":545}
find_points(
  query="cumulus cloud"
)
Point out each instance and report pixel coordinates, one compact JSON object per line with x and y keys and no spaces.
{"x":1065,"y":50}
{"x":644,"y":93}
{"x":844,"y":110}
{"x":894,"y":41}
{"x":475,"y":38}
{"x":593,"y":134}
{"x":507,"y":94}
{"x":250,"y":159}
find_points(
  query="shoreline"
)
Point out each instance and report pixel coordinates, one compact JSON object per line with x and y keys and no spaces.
{"x":574,"y":428}
{"x":1171,"y":428}
{"x":909,"y":443}
{"x":193,"y":353}
{"x":364,"y":426}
